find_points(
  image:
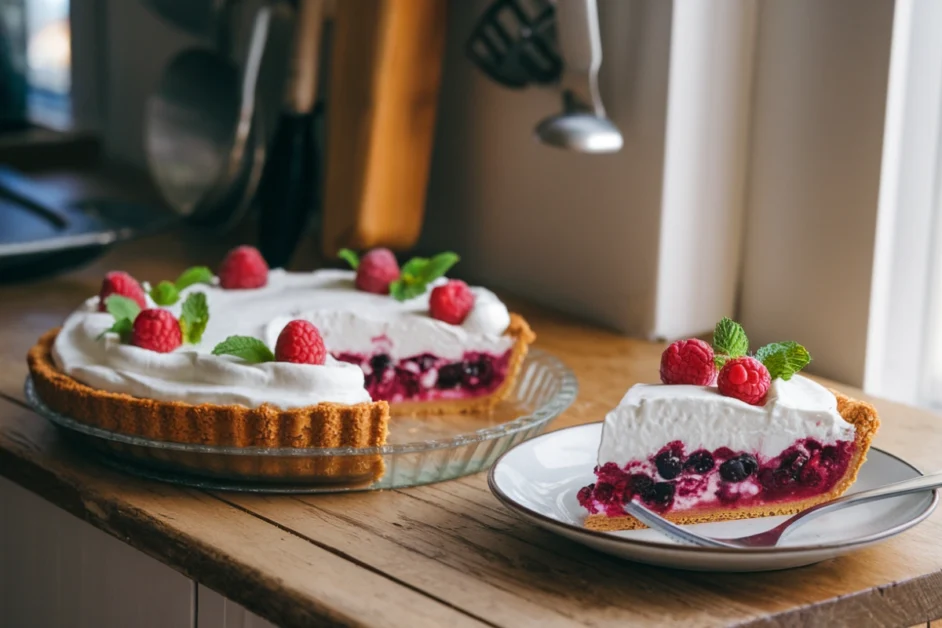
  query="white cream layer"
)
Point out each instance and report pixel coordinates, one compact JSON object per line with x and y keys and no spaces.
{"x":652,"y":415}
{"x":349,"y":320}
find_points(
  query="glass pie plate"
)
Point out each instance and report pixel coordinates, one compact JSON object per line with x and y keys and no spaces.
{"x":419,"y":450}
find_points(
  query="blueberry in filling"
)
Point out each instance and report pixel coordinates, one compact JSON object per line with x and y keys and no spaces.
{"x":669,"y":465}
{"x":379,"y":363}
{"x":450,"y":376}
{"x":663,"y":494}
{"x":700,"y":462}
{"x":739,"y":468}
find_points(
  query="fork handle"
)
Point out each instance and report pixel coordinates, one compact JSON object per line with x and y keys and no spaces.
{"x":915,"y":485}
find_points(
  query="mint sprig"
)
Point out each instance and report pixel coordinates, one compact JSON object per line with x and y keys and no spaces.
{"x":192,"y":276}
{"x":194,"y":316}
{"x":418,"y":273}
{"x":167,"y":293}
{"x":729,"y":341}
{"x":783,"y":359}
{"x":124,"y":311}
{"x":252,"y":350}
{"x":349,"y":257}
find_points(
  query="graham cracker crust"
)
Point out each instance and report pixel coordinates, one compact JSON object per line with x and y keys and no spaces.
{"x":523,"y":336}
{"x":321,"y":425}
{"x":860,"y":414}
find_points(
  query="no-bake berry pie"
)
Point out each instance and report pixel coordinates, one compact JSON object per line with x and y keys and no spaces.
{"x":727,"y":435}
{"x":287,"y":359}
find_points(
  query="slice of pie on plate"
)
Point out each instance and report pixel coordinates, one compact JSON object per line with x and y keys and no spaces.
{"x":696,"y":453}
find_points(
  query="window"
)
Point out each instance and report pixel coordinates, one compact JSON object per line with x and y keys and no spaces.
{"x":35,"y":63}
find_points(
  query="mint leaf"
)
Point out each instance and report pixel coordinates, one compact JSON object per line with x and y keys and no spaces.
{"x":192,"y":276}
{"x":418,"y":273}
{"x":122,"y":327}
{"x":124,"y":310}
{"x":164,"y":293}
{"x":414,"y":267}
{"x":402,"y":290}
{"x":349,"y":257}
{"x":250,"y":349}
{"x":438,"y":266}
{"x":783,"y":359}
{"x":194,"y":317}
{"x":729,"y":341}
{"x":122,"y":307}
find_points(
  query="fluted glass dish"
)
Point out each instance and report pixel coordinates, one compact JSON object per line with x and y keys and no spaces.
{"x":419,"y":450}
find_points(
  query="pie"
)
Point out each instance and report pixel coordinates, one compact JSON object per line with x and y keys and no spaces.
{"x":216,"y":381}
{"x":695,"y":452}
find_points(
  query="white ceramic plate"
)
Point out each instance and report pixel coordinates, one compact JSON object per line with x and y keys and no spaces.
{"x":539,"y":480}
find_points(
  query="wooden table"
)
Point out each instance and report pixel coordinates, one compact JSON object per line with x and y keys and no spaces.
{"x":446,"y":554}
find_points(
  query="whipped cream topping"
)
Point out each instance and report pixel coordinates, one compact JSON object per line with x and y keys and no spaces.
{"x":349,"y":320}
{"x":652,"y":415}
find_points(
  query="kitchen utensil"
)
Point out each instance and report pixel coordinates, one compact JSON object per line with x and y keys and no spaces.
{"x":199,"y":125}
{"x":41,"y":234}
{"x":384,"y":83}
{"x":541,"y":478}
{"x":288,"y":190}
{"x":770,"y":538}
{"x":206,"y":19}
{"x":514,"y":43}
{"x":582,"y":126}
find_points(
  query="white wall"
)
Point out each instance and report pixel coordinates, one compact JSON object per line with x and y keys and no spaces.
{"x":820,"y":94}
{"x":577,"y":232}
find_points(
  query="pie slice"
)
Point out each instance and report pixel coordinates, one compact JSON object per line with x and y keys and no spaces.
{"x":727,"y":435}
{"x":695,"y":455}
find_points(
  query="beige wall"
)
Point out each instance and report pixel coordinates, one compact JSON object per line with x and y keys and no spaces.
{"x":817,"y":131}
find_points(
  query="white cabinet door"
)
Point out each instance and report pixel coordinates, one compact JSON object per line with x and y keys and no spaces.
{"x":56,"y":570}
{"x":215,"y":611}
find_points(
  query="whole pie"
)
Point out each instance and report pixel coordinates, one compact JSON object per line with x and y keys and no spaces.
{"x":727,"y":436}
{"x":267,"y":358}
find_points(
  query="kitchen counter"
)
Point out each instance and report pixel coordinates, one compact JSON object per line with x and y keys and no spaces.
{"x":445,"y":554}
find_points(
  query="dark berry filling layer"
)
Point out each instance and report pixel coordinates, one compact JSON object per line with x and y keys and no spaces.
{"x":672,"y":480}
{"x":427,"y":377}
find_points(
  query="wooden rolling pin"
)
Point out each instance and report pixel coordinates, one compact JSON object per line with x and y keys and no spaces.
{"x":385,"y":77}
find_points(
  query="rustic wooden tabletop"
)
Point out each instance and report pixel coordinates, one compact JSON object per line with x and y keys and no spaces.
{"x":446,"y":554}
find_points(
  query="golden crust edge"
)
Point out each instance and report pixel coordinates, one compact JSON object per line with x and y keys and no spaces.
{"x":523,"y":336}
{"x":860,"y":414}
{"x":321,"y":425}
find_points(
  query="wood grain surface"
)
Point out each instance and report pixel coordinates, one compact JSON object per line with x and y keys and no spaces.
{"x":446,"y":554}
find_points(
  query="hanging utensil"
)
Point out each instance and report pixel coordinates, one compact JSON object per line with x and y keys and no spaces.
{"x":288,"y":189}
{"x":199,"y":127}
{"x":514,"y":43}
{"x":582,"y":126}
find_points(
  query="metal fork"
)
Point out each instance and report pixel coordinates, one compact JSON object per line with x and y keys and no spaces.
{"x":770,"y":538}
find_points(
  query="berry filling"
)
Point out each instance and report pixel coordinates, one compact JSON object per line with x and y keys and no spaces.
{"x":672,"y":481}
{"x":427,"y":377}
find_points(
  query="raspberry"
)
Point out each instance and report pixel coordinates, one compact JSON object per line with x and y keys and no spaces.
{"x":688,"y":362}
{"x":744,"y":378}
{"x":120,"y":283}
{"x":243,"y":268}
{"x":376,"y":271}
{"x":300,"y":342}
{"x":451,"y":302}
{"x":157,"y":330}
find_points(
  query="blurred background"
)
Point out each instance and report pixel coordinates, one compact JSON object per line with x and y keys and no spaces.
{"x":773,"y":161}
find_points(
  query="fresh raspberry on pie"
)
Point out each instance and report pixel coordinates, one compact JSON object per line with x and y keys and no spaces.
{"x":688,"y":362}
{"x":243,"y":268}
{"x":157,"y":330}
{"x":451,"y":302}
{"x":300,"y":342}
{"x":744,"y":378}
{"x":376,"y":271}
{"x":120,"y":283}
